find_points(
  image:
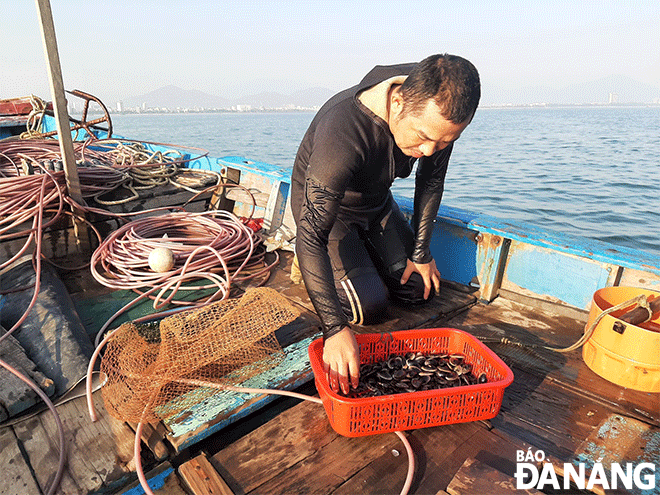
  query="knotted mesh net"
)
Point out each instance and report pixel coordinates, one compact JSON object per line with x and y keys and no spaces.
{"x":227,"y":342}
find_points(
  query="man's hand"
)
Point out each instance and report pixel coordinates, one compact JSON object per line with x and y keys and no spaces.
{"x":341,"y":361}
{"x":429,"y":273}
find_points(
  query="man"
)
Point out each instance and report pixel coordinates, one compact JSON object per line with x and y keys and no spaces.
{"x":355,"y":249}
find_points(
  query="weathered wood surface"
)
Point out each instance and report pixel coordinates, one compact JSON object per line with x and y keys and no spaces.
{"x":297,"y":452}
{"x":550,"y":406}
{"x":16,"y":476}
{"x":99,"y":455}
{"x":621,"y":440}
{"x":476,"y":477}
{"x":202,"y":479}
{"x":15,"y":395}
{"x":152,"y":436}
{"x":535,"y":327}
{"x":553,"y":405}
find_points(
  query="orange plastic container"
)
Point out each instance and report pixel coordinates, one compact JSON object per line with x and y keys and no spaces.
{"x":371,"y":415}
{"x":630,"y":359}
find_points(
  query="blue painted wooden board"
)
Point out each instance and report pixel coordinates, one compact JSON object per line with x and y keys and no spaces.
{"x":621,"y":439}
{"x":155,"y":482}
{"x":223,"y":408}
{"x":555,"y":274}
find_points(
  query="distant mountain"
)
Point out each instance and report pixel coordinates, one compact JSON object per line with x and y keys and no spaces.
{"x":173,"y":97}
{"x":612,"y":89}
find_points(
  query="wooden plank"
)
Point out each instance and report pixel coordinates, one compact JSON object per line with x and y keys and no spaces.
{"x":269,"y":450}
{"x":476,"y":477}
{"x":62,"y":121}
{"x":153,"y":438}
{"x":59,"y":99}
{"x":16,"y":476}
{"x":441,"y":451}
{"x":161,"y":196}
{"x":549,"y":274}
{"x":242,"y":196}
{"x":621,"y":440}
{"x":298,"y":452}
{"x":99,"y":455}
{"x":558,"y":468}
{"x":219,"y":200}
{"x":329,"y":467}
{"x":492,"y":252}
{"x":15,"y":395}
{"x":202,"y":479}
{"x":42,"y":450}
{"x":384,"y":474}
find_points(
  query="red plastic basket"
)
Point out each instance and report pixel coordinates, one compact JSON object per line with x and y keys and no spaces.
{"x":405,"y":411}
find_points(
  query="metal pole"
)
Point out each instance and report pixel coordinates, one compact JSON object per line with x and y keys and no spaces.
{"x":61,"y":114}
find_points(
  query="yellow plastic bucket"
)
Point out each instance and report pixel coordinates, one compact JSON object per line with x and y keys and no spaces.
{"x":630,"y":359}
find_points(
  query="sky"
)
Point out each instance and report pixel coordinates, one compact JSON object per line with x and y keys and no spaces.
{"x":119,"y":49}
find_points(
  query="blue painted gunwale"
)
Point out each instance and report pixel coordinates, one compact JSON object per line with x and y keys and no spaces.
{"x":536,"y":236}
{"x":223,"y":408}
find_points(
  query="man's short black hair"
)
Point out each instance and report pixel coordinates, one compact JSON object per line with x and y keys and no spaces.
{"x":451,"y":81}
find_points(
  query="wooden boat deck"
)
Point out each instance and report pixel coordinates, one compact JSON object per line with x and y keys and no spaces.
{"x":274,"y":445}
{"x":264,"y":444}
{"x":554,"y":404}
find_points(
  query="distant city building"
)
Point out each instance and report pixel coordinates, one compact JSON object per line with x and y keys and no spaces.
{"x":120,"y":107}
{"x":614,"y":98}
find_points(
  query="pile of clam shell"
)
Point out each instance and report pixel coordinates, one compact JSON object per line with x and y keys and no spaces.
{"x":414,"y":372}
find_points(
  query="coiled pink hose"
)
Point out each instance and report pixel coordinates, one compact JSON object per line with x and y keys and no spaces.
{"x":35,"y":233}
{"x":38,"y":200}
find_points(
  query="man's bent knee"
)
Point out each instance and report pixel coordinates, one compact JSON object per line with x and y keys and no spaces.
{"x":412,"y":292}
{"x":364,"y":298}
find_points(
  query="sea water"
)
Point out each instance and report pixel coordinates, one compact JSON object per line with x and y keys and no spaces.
{"x":593,"y":172}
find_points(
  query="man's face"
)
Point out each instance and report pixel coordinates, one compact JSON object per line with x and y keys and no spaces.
{"x":422,"y":133}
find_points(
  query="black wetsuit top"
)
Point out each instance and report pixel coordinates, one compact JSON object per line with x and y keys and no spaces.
{"x":345,"y":165}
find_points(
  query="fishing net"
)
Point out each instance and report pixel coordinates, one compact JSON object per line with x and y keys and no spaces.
{"x":227,"y":342}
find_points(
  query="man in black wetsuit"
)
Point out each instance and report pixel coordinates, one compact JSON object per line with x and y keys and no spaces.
{"x":355,"y":249}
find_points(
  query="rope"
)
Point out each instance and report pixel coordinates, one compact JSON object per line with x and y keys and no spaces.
{"x":644,"y":304}
{"x":32,"y":198}
{"x":35,"y":118}
{"x":589,"y":332}
{"x":106,"y":164}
